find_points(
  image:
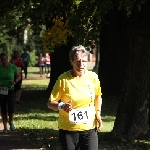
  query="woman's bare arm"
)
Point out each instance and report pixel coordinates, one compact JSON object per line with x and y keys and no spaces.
{"x":52,"y":105}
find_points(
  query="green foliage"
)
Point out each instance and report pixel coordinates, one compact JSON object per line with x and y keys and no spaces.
{"x":129,"y":5}
{"x":87,"y":26}
{"x":84,"y":16}
{"x":33,"y":58}
{"x":57,"y":35}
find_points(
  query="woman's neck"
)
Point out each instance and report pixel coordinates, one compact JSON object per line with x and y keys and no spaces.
{"x":77,"y":74}
{"x":5,"y":65}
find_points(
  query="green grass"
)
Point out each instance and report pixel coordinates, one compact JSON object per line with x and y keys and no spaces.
{"x":40,"y":125}
{"x":39,"y":82}
{"x":33,"y":70}
{"x":34,"y":80}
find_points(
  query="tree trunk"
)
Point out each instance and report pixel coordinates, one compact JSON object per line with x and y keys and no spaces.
{"x":59,"y":63}
{"x":97,"y":63}
{"x":132,"y":116}
{"x":113,"y":53}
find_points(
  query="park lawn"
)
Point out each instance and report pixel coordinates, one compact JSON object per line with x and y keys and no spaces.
{"x":42,"y":83}
{"x":34,"y":80}
{"x":39,"y":124}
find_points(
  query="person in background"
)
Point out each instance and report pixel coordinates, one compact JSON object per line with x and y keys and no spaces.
{"x":7,"y":81}
{"x":25,"y":59}
{"x":41,"y":63}
{"x":47,"y":63}
{"x":77,"y":96}
{"x":16,"y":60}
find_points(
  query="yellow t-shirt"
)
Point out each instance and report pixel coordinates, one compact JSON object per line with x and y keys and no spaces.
{"x":82,"y":93}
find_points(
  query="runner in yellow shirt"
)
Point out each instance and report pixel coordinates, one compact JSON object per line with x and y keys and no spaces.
{"x":80,"y":107}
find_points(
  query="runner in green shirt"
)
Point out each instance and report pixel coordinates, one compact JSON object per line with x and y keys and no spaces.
{"x":7,"y":73}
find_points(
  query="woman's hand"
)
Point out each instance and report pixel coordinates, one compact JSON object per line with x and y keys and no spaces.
{"x":12,"y":82}
{"x":67,"y":106}
{"x":99,"y":120}
{"x":54,"y":105}
{"x":98,"y":103}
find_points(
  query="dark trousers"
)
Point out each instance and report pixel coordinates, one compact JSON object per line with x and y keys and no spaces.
{"x":85,"y":140}
{"x":25,"y":68}
{"x":18,"y":85}
{"x":7,"y":103}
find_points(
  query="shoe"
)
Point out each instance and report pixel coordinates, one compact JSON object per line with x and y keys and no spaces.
{"x":5,"y":130}
{"x":12,"y":127}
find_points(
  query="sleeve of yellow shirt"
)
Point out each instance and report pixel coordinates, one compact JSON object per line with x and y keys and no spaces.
{"x":58,"y":90}
{"x":97,"y":85}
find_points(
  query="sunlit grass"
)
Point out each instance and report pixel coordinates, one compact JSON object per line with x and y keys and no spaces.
{"x":36,"y":121}
{"x":108,"y":123}
{"x":50,"y":121}
{"x":34,"y":79}
{"x":42,"y":82}
{"x":32,"y":70}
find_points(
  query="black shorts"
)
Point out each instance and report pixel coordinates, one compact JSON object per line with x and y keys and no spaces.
{"x":47,"y":65}
{"x":41,"y":65}
{"x":85,"y":140}
{"x":18,"y":85}
{"x":7,"y":103}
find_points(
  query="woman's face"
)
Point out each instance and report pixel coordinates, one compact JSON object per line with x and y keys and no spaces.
{"x":79,"y":62}
{"x":4,"y":60}
{"x":16,"y":54}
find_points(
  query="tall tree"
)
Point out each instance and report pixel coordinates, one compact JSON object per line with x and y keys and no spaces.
{"x":132,"y":117}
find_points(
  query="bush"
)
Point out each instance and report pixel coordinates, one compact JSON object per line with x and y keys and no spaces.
{"x":33,"y":58}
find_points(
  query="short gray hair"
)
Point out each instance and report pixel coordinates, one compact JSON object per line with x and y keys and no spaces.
{"x":75,"y":50}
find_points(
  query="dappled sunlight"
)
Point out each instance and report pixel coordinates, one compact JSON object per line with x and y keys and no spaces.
{"x":108,"y":123}
{"x":36,"y":121}
{"x":108,"y":118}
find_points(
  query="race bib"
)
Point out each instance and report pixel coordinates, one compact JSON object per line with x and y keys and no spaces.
{"x":25,"y":59}
{"x":79,"y":116}
{"x":19,"y":69}
{"x":3,"y":90}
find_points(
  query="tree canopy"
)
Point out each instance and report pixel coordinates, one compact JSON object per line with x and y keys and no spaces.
{"x":84,"y":16}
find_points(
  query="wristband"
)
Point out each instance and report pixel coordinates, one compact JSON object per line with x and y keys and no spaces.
{"x":60,"y":105}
